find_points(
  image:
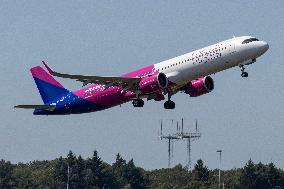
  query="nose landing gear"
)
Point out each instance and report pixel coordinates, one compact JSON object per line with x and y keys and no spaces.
{"x":243,"y":74}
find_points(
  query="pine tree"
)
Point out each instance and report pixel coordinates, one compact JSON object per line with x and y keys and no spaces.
{"x":274,"y":178}
{"x":60,"y":173}
{"x":134,"y":176}
{"x":249,"y":176}
{"x":201,"y":172}
{"x":119,"y":170}
{"x":78,"y":173}
{"x":7,"y":179}
{"x":97,"y":174}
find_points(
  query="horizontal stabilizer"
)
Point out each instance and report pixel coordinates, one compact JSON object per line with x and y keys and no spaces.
{"x":39,"y":107}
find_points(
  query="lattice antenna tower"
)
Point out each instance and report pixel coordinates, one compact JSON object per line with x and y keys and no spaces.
{"x":170,"y":138}
{"x":189,"y":136}
{"x":179,"y":135}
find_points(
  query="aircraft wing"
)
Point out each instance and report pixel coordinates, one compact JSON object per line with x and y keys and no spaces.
{"x":124,"y":82}
{"x":40,"y":107}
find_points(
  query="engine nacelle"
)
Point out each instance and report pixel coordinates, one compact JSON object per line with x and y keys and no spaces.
{"x":199,"y":86}
{"x":153,"y":83}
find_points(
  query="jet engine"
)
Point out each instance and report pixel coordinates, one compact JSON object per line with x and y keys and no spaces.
{"x":199,"y":86}
{"x":153,"y":83}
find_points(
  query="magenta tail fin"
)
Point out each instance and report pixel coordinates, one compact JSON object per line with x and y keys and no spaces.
{"x":48,"y":87}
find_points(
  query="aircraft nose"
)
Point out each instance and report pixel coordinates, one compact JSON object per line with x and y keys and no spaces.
{"x":264,"y":47}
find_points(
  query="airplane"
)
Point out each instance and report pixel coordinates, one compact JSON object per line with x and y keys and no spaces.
{"x":188,"y":73}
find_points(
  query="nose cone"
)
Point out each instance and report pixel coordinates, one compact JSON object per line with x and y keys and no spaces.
{"x":263,"y":47}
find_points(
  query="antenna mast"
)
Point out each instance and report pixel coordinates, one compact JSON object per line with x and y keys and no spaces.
{"x":180,"y":135}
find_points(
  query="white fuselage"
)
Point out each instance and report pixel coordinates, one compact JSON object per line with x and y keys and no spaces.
{"x":214,"y":58}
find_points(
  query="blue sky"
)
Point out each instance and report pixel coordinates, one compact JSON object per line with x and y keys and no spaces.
{"x":243,"y":117}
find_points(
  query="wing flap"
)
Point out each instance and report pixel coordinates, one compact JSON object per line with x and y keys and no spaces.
{"x":39,"y":107}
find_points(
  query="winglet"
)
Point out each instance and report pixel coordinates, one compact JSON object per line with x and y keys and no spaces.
{"x":48,"y":68}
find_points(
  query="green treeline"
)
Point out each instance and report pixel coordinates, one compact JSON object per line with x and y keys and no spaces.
{"x":94,"y":173}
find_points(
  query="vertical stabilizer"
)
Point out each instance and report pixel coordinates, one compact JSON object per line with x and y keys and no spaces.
{"x":48,"y":87}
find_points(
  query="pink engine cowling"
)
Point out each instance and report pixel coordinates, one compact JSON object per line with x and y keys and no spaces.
{"x":199,"y":86}
{"x":153,"y":83}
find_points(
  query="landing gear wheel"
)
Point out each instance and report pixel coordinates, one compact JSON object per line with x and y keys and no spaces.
{"x":244,"y":74}
{"x":169,"y":104}
{"x":138,"y":103}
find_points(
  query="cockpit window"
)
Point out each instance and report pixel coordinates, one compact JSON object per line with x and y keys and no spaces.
{"x":249,"y":40}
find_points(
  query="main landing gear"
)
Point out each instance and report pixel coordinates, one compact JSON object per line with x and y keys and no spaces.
{"x":243,"y":74}
{"x":169,"y":104}
{"x":138,"y":103}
